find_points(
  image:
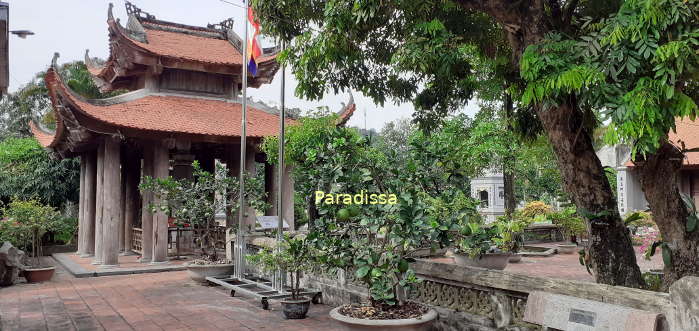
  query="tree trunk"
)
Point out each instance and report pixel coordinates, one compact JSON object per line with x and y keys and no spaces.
{"x":611,"y":253}
{"x":658,"y":174}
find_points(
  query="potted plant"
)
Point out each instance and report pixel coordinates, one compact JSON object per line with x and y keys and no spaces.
{"x":487,"y":246}
{"x":31,"y":220}
{"x":293,"y":256}
{"x":196,"y":201}
{"x":572,"y":227}
{"x":374,"y":245}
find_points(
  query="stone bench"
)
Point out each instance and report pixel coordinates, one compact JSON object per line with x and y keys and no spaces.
{"x":562,"y":312}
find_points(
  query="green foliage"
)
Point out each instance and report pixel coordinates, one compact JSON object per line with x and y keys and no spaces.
{"x":536,"y":208}
{"x":570,"y":222}
{"x":197,"y":201}
{"x":27,"y":221}
{"x":27,"y":171}
{"x":476,"y":240}
{"x":292,"y":255}
{"x":636,"y":68}
{"x":417,"y":51}
{"x":376,"y":240}
{"x":653,"y":282}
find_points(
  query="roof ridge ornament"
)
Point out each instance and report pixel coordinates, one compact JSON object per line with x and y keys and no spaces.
{"x":132,"y":9}
{"x":54,"y":61}
{"x":224,"y":25}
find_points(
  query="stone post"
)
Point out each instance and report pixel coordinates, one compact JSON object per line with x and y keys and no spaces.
{"x":684,"y":313}
{"x":112,"y":213}
{"x":146,"y":214}
{"x":89,"y":201}
{"x":99,"y":201}
{"x":82,"y":236}
{"x":133,"y":173}
{"x":161,"y":169}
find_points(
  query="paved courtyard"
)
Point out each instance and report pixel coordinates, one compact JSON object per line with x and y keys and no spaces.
{"x":162,"y":301}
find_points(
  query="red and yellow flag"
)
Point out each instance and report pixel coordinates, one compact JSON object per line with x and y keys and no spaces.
{"x":254,"y":50}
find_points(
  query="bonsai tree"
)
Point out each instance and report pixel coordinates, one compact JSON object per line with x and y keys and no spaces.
{"x":27,"y":222}
{"x":292,"y":255}
{"x":197,"y":201}
{"x":476,"y":240}
{"x":572,"y":225}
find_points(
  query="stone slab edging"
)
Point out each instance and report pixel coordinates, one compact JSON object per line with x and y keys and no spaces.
{"x":464,"y":276}
{"x":79,"y":272}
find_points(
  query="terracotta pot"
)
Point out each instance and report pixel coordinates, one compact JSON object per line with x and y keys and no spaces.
{"x":515,"y":258}
{"x":567,"y":248}
{"x":423,"y":323}
{"x":295,"y":309}
{"x":38,"y":275}
{"x":199,"y":272}
{"x":494,"y":261}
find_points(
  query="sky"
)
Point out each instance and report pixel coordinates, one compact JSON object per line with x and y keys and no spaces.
{"x":69,"y":27}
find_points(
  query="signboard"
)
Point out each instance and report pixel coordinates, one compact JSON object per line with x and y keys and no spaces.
{"x":269,"y":223}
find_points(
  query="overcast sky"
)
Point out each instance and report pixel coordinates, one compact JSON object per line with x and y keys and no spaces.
{"x":72,"y":26}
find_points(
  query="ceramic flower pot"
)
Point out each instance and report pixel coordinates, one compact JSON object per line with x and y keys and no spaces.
{"x":199,"y":272}
{"x":424,"y":323}
{"x":38,"y":275}
{"x":295,"y":309}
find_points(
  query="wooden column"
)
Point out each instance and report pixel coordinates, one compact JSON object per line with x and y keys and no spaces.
{"x":89,"y":200}
{"x":146,"y":214}
{"x":271,"y":188}
{"x":233,"y":165}
{"x":131,"y":196}
{"x":82,"y":237}
{"x":122,"y":207}
{"x":99,"y":201}
{"x":288,"y":198}
{"x":161,"y":169}
{"x":251,"y":217}
{"x":112,"y":213}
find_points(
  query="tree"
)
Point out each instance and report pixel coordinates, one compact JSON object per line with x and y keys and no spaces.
{"x":28,"y":172}
{"x":422,"y":51}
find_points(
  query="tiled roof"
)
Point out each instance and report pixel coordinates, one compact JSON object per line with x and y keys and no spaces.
{"x":169,"y":114}
{"x":45,"y":139}
{"x":189,"y":47}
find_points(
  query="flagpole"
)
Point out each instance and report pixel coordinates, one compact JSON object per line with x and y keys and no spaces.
{"x":279,"y":277}
{"x":240,"y":234}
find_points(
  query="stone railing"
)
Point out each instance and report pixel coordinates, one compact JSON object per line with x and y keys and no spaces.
{"x":480,"y":299}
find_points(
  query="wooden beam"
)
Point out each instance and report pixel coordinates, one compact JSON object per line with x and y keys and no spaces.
{"x":131,"y":196}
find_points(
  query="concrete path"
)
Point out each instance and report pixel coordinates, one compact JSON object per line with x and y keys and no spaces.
{"x":161,"y":301}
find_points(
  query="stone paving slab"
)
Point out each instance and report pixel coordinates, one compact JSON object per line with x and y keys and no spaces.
{"x":161,"y":301}
{"x":81,"y":267}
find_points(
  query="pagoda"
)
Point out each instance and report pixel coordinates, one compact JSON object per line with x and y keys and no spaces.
{"x":183,"y":104}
